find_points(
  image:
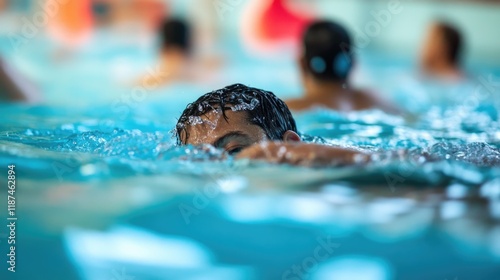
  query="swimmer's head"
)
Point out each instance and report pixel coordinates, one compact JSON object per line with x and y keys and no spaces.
{"x":234,"y":118}
{"x":327,"y":52}
{"x":175,"y":34}
{"x":443,"y":46}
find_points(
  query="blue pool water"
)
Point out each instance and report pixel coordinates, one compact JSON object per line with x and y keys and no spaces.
{"x":103,"y":192}
{"x":105,"y":198}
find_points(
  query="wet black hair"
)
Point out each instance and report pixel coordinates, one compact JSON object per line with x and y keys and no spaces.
{"x":327,"y":51}
{"x":453,"y":40}
{"x":176,"y":33}
{"x":263,"y":108}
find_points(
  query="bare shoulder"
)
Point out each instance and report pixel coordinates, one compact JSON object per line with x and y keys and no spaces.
{"x":369,"y":99}
{"x":367,"y":96}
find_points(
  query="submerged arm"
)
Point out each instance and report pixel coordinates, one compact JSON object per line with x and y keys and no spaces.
{"x":305,"y":154}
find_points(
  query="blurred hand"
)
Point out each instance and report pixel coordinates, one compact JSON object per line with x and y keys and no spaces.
{"x":305,"y":154}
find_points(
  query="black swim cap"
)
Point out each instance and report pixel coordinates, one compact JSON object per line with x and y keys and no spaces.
{"x":176,"y":33}
{"x":327,"y":51}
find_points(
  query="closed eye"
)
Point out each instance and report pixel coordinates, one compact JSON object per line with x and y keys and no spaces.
{"x":235,"y":150}
{"x":234,"y":142}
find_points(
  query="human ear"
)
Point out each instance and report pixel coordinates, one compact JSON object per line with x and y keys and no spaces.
{"x":291,"y":136}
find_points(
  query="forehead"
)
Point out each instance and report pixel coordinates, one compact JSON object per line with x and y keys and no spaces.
{"x":208,"y":128}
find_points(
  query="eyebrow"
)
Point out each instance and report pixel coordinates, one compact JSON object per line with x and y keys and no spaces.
{"x":229,"y":136}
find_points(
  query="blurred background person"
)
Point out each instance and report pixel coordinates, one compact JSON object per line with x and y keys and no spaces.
{"x":325,"y":65}
{"x":441,"y":83}
{"x":16,"y":87}
{"x":175,"y":60}
{"x":114,"y":43}
{"x":178,"y":60}
{"x":442,"y":51}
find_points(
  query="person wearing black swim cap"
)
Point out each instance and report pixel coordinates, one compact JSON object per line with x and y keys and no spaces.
{"x":325,"y":65}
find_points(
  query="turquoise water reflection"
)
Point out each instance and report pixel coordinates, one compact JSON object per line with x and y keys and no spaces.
{"x":107,"y":197}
